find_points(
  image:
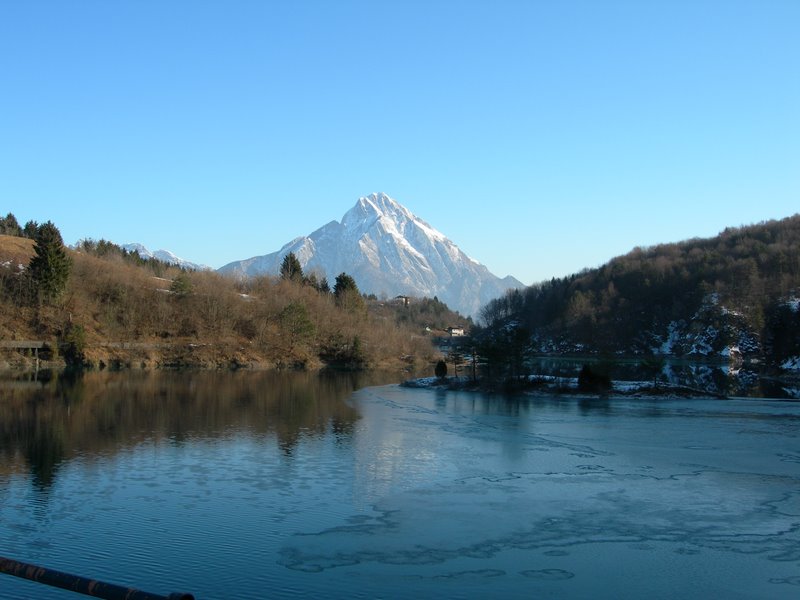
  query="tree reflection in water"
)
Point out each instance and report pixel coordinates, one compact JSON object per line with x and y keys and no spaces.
{"x":48,"y":421}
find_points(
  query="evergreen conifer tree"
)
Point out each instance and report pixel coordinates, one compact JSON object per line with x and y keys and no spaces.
{"x":441,"y":369}
{"x":50,"y":266}
{"x":30,"y":229}
{"x":10,"y":226}
{"x":346,"y":293}
{"x":291,"y":269}
{"x":181,"y":286}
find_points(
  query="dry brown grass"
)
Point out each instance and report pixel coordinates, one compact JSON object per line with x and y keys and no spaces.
{"x":17,"y":250}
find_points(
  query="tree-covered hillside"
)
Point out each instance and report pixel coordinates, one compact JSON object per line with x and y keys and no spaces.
{"x":734,"y":293}
{"x":99,"y":304}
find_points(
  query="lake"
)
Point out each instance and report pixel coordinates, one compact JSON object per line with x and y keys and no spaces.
{"x":270,"y":485}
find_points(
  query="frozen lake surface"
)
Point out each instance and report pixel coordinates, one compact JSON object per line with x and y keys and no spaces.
{"x":246,"y":486}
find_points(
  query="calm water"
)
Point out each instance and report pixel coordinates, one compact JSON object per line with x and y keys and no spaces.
{"x":261,"y":485}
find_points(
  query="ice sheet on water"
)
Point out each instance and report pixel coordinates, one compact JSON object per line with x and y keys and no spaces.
{"x":526,"y":488}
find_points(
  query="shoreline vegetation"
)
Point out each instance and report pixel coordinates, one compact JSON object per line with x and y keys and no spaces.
{"x":183,"y":355}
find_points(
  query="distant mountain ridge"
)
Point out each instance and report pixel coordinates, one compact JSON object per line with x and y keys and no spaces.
{"x":391,"y":251}
{"x":165,"y":256}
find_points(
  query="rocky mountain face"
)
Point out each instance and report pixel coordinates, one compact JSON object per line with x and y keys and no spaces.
{"x":390,"y":252}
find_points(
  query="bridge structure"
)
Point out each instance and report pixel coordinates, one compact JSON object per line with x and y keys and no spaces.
{"x":30,"y":345}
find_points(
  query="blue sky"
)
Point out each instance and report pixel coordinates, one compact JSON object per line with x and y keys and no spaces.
{"x":542,"y":137}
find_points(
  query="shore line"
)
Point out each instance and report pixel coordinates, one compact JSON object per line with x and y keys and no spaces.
{"x":559,"y":386}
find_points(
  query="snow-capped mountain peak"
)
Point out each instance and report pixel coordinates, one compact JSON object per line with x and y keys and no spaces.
{"x":389,"y":251}
{"x":164,"y":256}
{"x":392,"y":216}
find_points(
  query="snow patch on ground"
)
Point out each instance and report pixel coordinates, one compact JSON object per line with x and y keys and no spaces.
{"x":8,"y":265}
{"x":673,"y":337}
{"x":731,"y":351}
{"x":792,"y":364}
{"x":432,"y":382}
{"x":702,"y":344}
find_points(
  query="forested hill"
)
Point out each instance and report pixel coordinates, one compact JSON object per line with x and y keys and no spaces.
{"x":736,"y":292}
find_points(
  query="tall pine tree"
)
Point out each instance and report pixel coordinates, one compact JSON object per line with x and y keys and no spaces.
{"x":10,"y":226}
{"x":346,"y":293}
{"x":50,"y":266}
{"x":291,"y":269}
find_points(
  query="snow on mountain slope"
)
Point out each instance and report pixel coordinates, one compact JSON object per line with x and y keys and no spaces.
{"x":389,"y":251}
{"x":164,"y":256}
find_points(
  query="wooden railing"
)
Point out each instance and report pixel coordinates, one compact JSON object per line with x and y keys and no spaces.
{"x":22,"y":344}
